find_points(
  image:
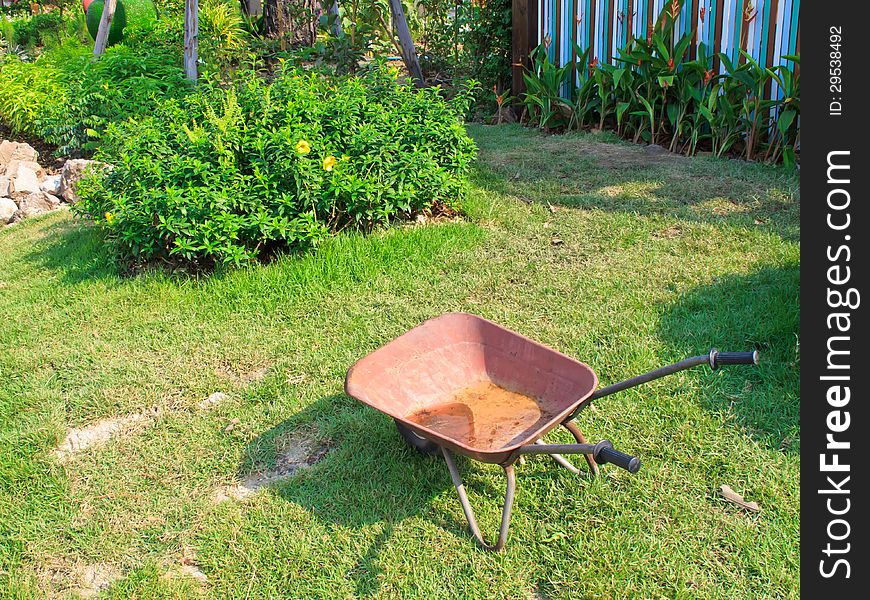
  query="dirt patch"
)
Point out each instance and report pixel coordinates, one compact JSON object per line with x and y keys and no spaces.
{"x":669,"y":233}
{"x":99,"y":433}
{"x":183,"y":567}
{"x":483,"y":415}
{"x":195,"y":572}
{"x":243,"y":374}
{"x":294,"y":453}
{"x":188,"y":566}
{"x":93,"y":579}
{"x":60,"y":579}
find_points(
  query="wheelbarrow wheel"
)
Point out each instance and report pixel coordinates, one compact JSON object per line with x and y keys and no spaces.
{"x":420,"y":444}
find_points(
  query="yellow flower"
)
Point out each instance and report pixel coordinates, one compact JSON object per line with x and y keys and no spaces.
{"x":303,"y":147}
{"x":328,"y":163}
{"x":110,"y":218}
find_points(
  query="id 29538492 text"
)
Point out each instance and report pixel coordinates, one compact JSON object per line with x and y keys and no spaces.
{"x":835,"y":70}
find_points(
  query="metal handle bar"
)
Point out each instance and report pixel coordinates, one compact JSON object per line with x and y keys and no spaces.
{"x":603,"y":452}
{"x":714,"y":359}
{"x":560,"y":448}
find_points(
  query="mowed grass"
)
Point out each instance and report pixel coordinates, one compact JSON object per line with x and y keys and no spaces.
{"x":623,"y":259}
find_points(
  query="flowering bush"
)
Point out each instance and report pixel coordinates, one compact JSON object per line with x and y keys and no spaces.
{"x":223,"y":175}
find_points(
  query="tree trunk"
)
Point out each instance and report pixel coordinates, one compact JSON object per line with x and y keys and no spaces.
{"x":333,"y":10}
{"x":294,"y":22}
{"x":191,"y":38}
{"x":252,"y":8}
{"x":102,"y":39}
{"x":521,"y":13}
{"x":409,"y":52}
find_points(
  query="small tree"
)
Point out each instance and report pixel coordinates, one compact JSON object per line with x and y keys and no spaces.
{"x":191,"y":38}
{"x":106,"y":17}
{"x":409,"y":51}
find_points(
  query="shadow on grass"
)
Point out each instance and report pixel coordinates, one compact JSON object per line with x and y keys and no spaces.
{"x":75,"y":251}
{"x":759,"y":311}
{"x":582,"y":171}
{"x":369,"y":476}
{"x":78,"y":251}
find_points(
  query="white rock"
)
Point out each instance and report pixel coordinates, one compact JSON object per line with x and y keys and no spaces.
{"x":25,"y":181}
{"x":37,"y":203}
{"x":15,"y":164}
{"x":215,"y":398}
{"x":7,"y":210}
{"x":73,"y":170}
{"x":195,"y":572}
{"x":10,"y":151}
{"x":51,"y":184}
{"x":4,"y":186}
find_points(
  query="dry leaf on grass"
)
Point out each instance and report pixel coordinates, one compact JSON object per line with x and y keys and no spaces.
{"x":726,"y":492}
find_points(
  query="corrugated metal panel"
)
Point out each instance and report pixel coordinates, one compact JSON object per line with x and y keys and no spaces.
{"x":766,"y":29}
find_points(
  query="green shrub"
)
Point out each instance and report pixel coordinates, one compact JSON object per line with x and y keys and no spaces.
{"x":128,"y":14}
{"x":467,"y":40}
{"x":122,"y":83}
{"x":28,"y":91}
{"x":223,"y":175}
{"x":223,"y":39}
{"x":655,"y":94}
{"x":67,"y":98}
{"x":38,"y":30}
{"x":141,"y":13}
{"x":163,"y":36}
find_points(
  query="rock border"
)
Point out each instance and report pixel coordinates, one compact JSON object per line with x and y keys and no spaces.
{"x":28,"y":189}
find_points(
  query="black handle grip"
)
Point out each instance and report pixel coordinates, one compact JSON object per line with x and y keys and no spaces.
{"x":718,"y":359}
{"x":606,"y":454}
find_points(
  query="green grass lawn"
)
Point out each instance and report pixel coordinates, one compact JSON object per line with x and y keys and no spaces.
{"x":623,"y":259}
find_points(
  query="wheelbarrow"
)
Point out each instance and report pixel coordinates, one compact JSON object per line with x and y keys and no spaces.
{"x":459,"y":383}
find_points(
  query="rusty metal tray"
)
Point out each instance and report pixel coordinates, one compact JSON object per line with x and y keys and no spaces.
{"x":472,"y":386}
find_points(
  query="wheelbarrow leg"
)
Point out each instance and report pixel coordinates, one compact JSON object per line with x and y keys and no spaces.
{"x":469,"y":513}
{"x":578,"y":435}
{"x":559,"y":459}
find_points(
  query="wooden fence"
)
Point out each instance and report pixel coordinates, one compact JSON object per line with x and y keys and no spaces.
{"x":766,"y":29}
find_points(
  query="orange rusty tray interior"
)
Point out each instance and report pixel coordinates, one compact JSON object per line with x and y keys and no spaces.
{"x":471,"y":385}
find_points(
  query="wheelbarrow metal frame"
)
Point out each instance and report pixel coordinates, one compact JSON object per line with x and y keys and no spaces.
{"x":589,"y":451}
{"x":533,"y":443}
{"x":539,"y":447}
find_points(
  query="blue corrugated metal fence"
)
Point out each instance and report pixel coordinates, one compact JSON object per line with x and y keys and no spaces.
{"x":765,"y":29}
